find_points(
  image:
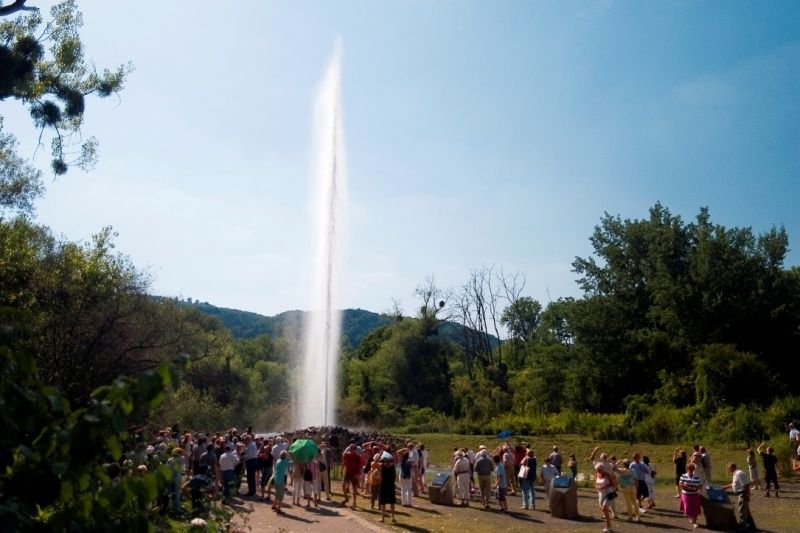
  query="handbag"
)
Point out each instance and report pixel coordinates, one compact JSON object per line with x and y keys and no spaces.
{"x":523,"y":472}
{"x":611,"y":495}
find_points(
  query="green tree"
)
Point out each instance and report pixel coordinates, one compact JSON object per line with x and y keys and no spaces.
{"x":90,"y":313}
{"x":521,"y":319}
{"x":658,"y":289}
{"x":43,"y":65}
{"x":53,"y":456}
{"x":725,"y":376}
{"x":20,"y":183}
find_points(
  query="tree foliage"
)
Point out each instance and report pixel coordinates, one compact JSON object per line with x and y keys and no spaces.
{"x":53,"y":456}
{"x":43,"y":65}
{"x":90,"y":313}
{"x":692,"y":317}
{"x":659,"y":289}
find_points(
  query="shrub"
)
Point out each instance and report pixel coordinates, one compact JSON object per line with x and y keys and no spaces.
{"x":781,"y":412}
{"x":662,"y":424}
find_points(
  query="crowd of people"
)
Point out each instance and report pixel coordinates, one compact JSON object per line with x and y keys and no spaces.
{"x":208,"y":466}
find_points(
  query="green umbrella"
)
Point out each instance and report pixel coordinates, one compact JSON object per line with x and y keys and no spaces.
{"x":303,"y":450}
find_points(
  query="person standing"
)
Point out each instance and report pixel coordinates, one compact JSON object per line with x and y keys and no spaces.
{"x":650,"y":480}
{"x":374,"y":481}
{"x":641,"y":470}
{"x":461,"y":473}
{"x":250,"y":463}
{"x":279,"y":480}
{"x":698,"y":464}
{"x":351,"y":464}
{"x":572,"y":466}
{"x":752,"y":467}
{"x":413,"y":461}
{"x":297,"y":469}
{"x":705,"y":460}
{"x":227,"y":464}
{"x":770,"y":467}
{"x":527,"y":476}
{"x":265,"y":458}
{"x":690,"y":484}
{"x":483,"y":468}
{"x":386,"y":495}
{"x":679,"y":459}
{"x":605,"y":494}
{"x":508,"y":463}
{"x":210,"y":459}
{"x":325,"y":464}
{"x":316,"y":480}
{"x":502,"y":482}
{"x":423,"y":466}
{"x":549,"y":472}
{"x":555,"y":459}
{"x":626,"y":481}
{"x":406,"y":481}
{"x":741,"y":488}
{"x":794,"y":433}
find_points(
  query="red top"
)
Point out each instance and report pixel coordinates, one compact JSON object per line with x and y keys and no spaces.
{"x":352,"y":463}
{"x":519,"y":456}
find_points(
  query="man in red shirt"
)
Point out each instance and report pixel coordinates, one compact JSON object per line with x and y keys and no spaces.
{"x":351,"y":462}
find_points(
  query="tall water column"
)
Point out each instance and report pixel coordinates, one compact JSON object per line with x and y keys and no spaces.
{"x":317,"y":386}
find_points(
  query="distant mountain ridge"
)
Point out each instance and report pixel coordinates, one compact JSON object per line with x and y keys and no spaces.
{"x":356,"y":323}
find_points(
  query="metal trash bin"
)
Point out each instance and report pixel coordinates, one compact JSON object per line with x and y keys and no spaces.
{"x":563,"y":497}
{"x":441,"y":490}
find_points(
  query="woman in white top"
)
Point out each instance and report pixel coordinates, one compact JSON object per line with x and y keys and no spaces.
{"x":605,"y":493}
{"x":461,"y":472}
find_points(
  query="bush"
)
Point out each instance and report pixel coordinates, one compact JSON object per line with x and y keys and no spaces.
{"x":781,"y":412}
{"x":424,"y":420}
{"x":743,"y":424}
{"x":191,"y":408}
{"x":52,"y":455}
{"x":661,"y":425}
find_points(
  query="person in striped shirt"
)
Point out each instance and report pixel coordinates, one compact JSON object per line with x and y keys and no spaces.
{"x":690,"y":494}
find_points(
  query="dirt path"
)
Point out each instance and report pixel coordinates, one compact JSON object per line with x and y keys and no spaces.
{"x":330,"y":517}
{"x":772,"y":515}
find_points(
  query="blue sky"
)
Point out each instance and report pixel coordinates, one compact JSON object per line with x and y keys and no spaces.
{"x":478,"y":133}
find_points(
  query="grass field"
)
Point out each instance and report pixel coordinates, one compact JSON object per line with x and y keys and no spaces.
{"x":771,"y":514}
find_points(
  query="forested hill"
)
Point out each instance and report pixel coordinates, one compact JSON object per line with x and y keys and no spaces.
{"x":356,"y":323}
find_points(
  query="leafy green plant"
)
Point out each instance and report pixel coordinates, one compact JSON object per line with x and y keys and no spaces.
{"x":53,"y":457}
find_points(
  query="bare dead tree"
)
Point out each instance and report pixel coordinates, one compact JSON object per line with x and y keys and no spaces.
{"x":434,"y":302}
{"x":476,"y":312}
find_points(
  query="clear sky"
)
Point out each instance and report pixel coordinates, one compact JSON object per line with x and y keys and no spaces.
{"x":478,"y":133}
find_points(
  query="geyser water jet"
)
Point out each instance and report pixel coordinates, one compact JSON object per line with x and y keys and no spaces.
{"x":317,"y":386}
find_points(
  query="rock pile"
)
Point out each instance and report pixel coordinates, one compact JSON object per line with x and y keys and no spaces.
{"x":338,"y":437}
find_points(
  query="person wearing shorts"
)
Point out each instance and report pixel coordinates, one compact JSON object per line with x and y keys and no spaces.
{"x":351,"y":463}
{"x":279,"y":480}
{"x":502,"y":482}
